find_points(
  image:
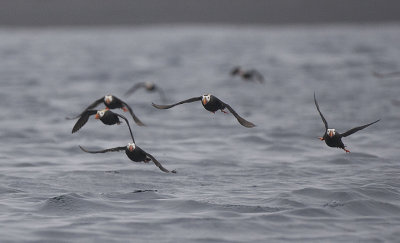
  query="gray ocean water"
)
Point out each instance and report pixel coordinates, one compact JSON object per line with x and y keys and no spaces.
{"x":273,"y":183}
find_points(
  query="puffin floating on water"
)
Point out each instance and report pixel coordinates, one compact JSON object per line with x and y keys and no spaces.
{"x":111,"y":102}
{"x":248,"y":75}
{"x":210,"y":103}
{"x":333,"y":138}
{"x":149,"y":86}
{"x":134,"y":153}
{"x":106,"y":116}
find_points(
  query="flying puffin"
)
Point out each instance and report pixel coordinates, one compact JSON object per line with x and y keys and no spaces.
{"x":134,"y":153}
{"x":106,"y":116}
{"x":111,"y":102}
{"x":248,"y":75}
{"x":210,"y":103}
{"x":149,"y":86}
{"x":386,"y":75}
{"x":333,"y":138}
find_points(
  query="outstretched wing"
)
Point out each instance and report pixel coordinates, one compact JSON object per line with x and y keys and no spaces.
{"x":83,"y":119}
{"x":93,"y":105}
{"x":127,"y":123}
{"x":103,"y":151}
{"x":182,"y":102}
{"x":386,"y":75}
{"x":258,"y":75}
{"x":322,"y":117}
{"x":134,"y":88}
{"x":138,"y":122}
{"x":240,"y":119}
{"x":356,"y":129}
{"x":158,"y":164}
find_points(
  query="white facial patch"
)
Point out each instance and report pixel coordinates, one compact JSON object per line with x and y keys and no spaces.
{"x":109,"y":98}
{"x":101,"y":113}
{"x":331,"y":131}
{"x":207,"y":97}
{"x":131,"y":144}
{"x":149,"y":85}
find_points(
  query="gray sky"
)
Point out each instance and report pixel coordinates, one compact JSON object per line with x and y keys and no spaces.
{"x":128,"y":12}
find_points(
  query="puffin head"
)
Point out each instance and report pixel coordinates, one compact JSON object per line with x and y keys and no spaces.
{"x":149,"y":85}
{"x":131,"y":146}
{"x":331,"y":132}
{"x":235,"y":71}
{"x":108,"y":99}
{"x":100,"y":114}
{"x":205,"y":99}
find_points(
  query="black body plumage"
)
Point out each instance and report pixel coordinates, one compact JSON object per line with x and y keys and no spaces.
{"x":333,"y":138}
{"x":210,"y":103}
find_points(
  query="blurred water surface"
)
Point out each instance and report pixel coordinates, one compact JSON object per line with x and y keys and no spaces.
{"x":275,"y":182}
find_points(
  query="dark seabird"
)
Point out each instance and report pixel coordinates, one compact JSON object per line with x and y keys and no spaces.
{"x":387,"y":75}
{"x":333,"y":138}
{"x":248,"y":75}
{"x":111,"y":102}
{"x":106,"y":116}
{"x":134,"y":153}
{"x":210,"y":103}
{"x":149,"y":86}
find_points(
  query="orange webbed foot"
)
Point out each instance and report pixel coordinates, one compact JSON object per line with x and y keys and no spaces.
{"x":321,"y":138}
{"x":124,"y":109}
{"x":347,"y":151}
{"x":224,"y":111}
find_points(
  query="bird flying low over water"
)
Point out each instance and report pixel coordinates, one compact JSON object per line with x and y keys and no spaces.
{"x":134,"y":153}
{"x":210,"y":103}
{"x":111,"y":102}
{"x":333,"y":138}
{"x":106,"y":116}
{"x":386,"y":75}
{"x":149,"y":86}
{"x":248,"y":75}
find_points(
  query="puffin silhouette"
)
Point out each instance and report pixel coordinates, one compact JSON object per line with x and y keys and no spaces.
{"x":248,"y":75}
{"x":111,"y":102}
{"x":210,"y":103}
{"x":149,"y":86}
{"x":333,"y":138}
{"x":106,"y":116}
{"x":134,"y":153}
{"x":386,"y":75}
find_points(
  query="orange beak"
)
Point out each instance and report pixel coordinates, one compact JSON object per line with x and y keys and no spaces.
{"x":107,"y":101}
{"x":204,"y":101}
{"x":131,"y":148}
{"x":330,"y":134}
{"x":97,"y":116}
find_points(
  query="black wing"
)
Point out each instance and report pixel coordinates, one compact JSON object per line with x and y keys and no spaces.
{"x":83,"y":119}
{"x":258,"y":76}
{"x":138,"y":122}
{"x":158,"y":164}
{"x":93,"y":105}
{"x":134,"y":88}
{"x":322,"y":117}
{"x":127,"y":123}
{"x":240,"y":119}
{"x":182,"y":102}
{"x":356,"y":129}
{"x":103,"y":151}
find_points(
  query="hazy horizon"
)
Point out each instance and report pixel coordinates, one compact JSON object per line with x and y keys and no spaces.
{"x":137,"y":12}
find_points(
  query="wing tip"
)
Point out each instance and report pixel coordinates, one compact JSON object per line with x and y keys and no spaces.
{"x":158,"y":106}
